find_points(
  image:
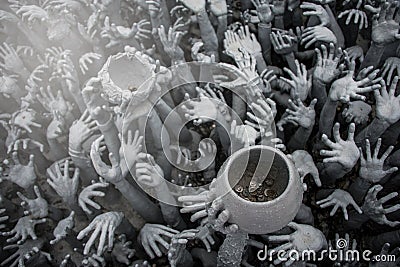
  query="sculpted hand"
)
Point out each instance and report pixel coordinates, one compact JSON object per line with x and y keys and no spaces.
{"x":25,"y":251}
{"x":342,"y":151}
{"x":105,"y":225}
{"x":171,"y":41}
{"x":385,"y":27}
{"x":81,"y":130}
{"x":359,"y":17}
{"x":357,"y":111}
{"x":22,"y":175}
{"x":195,"y":5}
{"x":25,"y":227}
{"x":300,"y":115}
{"x":327,"y":68}
{"x":316,"y":10}
{"x":391,"y":66}
{"x":339,"y":199}
{"x":304,"y":164}
{"x":232,"y":45}
{"x":345,"y":88}
{"x":151,"y":234}
{"x":355,"y":53}
{"x":148,"y":172}
{"x":300,"y":82}
{"x":387,"y":104}
{"x":35,"y":208}
{"x":264,"y":115}
{"x":372,"y":168}
{"x":65,"y":186}
{"x":178,"y":246}
{"x":87,"y":59}
{"x":62,"y":228}
{"x":113,"y":173}
{"x":249,"y":41}
{"x":264,"y":11}
{"x":87,"y":193}
{"x":122,"y":251}
{"x":304,"y":237}
{"x":218,"y":217}
{"x":373,"y":207}
{"x":317,"y":33}
{"x":283,"y":43}
{"x":242,"y":136}
{"x":25,"y":119}
{"x":3,"y":219}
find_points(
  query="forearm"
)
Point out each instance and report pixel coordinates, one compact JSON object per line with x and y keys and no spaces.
{"x":279,"y":22}
{"x":170,"y":213}
{"x":84,"y":163}
{"x":56,"y":151}
{"x":334,"y":27}
{"x":394,"y":159}
{"x":182,"y":76}
{"x":186,"y":260}
{"x":372,"y":132}
{"x":327,"y":117}
{"x":208,"y":34}
{"x":358,"y":189}
{"x":110,"y":133}
{"x":330,"y":172}
{"x":264,"y":31}
{"x":177,"y":133}
{"x":318,"y":91}
{"x":376,"y":242}
{"x":373,"y":56}
{"x":79,"y":102}
{"x":299,"y":139}
{"x":222,"y":28}
{"x":140,"y":202}
{"x":261,"y":64}
{"x":165,"y":18}
{"x":290,"y":60}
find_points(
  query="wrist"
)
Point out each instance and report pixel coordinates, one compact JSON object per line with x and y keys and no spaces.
{"x":378,"y":45}
{"x":222,"y":16}
{"x":70,"y":200}
{"x":105,"y":123}
{"x":120,"y":184}
{"x":383,"y":122}
{"x":289,"y":56}
{"x":201,"y":12}
{"x":265,"y":25}
{"x":75,"y":147}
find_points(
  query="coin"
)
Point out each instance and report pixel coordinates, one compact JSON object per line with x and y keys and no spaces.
{"x":269,"y":193}
{"x":239,"y":189}
{"x":246,"y":193}
{"x":269,"y":182}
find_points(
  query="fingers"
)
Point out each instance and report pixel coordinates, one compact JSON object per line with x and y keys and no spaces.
{"x":388,"y":197}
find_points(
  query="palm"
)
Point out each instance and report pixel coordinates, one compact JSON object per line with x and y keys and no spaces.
{"x":385,"y":32}
{"x":326,"y":73}
{"x":373,"y":171}
{"x":194,"y":5}
{"x":342,"y":89}
{"x":264,"y":13}
{"x":24,"y":176}
{"x":307,"y":117}
{"x":388,"y":109}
